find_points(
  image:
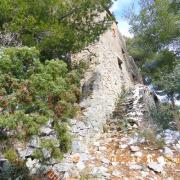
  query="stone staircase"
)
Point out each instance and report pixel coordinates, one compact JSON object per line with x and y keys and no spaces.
{"x":129,"y":112}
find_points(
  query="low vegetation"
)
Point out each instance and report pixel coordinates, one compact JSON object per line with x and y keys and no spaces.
{"x":166,"y":117}
{"x":15,"y":171}
{"x":32,"y":93}
{"x":162,"y":116}
{"x":150,"y":138}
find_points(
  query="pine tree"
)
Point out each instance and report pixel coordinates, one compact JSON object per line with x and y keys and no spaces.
{"x":155,"y":45}
{"x":56,"y":27}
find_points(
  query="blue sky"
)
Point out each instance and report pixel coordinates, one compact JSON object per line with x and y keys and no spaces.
{"x":119,"y":9}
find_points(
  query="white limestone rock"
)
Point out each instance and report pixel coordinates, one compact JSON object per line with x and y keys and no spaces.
{"x":46,"y":131}
{"x":117,"y":173}
{"x":123,"y":146}
{"x":46,"y":153}
{"x":168,"y":151}
{"x":99,"y":170}
{"x":80,"y":165}
{"x":138,"y":154}
{"x":34,"y":142}
{"x":135,"y":167}
{"x":78,"y":147}
{"x":105,"y":161}
{"x":63,"y":167}
{"x":33,"y":166}
{"x":134,"y":148}
{"x":156,"y":167}
{"x":23,"y":153}
{"x":161,"y":160}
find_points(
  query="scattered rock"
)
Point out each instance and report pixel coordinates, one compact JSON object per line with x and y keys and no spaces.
{"x":84,"y":156}
{"x":46,"y":153}
{"x":114,"y":163}
{"x":105,"y":161}
{"x":161,"y":160}
{"x":46,"y":131}
{"x":72,"y":121}
{"x":106,"y":175}
{"x":156,"y":167}
{"x":138,"y":154}
{"x":168,"y":151}
{"x":133,"y":140}
{"x":33,"y":165}
{"x":82,"y":132}
{"x":78,"y":147}
{"x":134,"y":148}
{"x":135,"y":126}
{"x":34,"y":142}
{"x":62,"y":167}
{"x":23,"y":153}
{"x":144,"y":173}
{"x":74,"y":174}
{"x":177,"y":146}
{"x":99,"y":170}
{"x":116,"y":173}
{"x":97,"y":144}
{"x":123,"y":146}
{"x":75,"y":158}
{"x":66,"y":176}
{"x":80,"y":165}
{"x":135,"y":167}
{"x":171,"y":136}
{"x":149,"y":158}
{"x":102,"y":148}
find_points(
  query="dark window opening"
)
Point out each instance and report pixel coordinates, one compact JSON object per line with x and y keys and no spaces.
{"x":134,"y":78}
{"x":120,"y":63}
{"x":156,"y":100}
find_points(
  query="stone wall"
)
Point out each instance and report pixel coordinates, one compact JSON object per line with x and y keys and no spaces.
{"x":110,"y":70}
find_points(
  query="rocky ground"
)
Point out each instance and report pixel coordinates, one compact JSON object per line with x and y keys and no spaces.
{"x":118,"y":156}
{"x":127,"y":149}
{"x":123,"y":153}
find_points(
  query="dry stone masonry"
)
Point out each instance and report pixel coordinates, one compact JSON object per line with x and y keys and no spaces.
{"x":110,"y":70}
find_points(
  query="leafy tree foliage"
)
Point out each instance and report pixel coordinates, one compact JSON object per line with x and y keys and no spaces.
{"x":155,"y":45}
{"x":32,"y":92}
{"x":56,"y":27}
{"x":162,"y":117}
{"x":157,"y":24}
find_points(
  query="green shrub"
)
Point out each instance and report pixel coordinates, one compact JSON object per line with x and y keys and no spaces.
{"x":150,"y":138}
{"x":38,"y":154}
{"x":64,"y":139}
{"x":11,"y":155}
{"x":32,"y":92}
{"x":15,"y":171}
{"x":162,"y":116}
{"x":52,"y":146}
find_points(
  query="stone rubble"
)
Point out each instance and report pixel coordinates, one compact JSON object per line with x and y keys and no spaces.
{"x":119,"y":154}
{"x":155,"y":167}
